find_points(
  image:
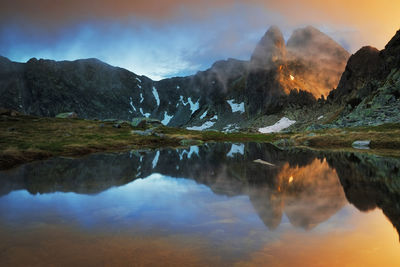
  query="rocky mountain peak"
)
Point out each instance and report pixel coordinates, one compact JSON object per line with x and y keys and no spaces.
{"x":4,"y":59}
{"x":394,"y":42}
{"x":310,"y":42}
{"x":4,"y":62}
{"x":391,"y":53}
{"x":366,"y":62}
{"x":311,"y":62}
{"x":369,"y":89}
{"x":270,"y":49}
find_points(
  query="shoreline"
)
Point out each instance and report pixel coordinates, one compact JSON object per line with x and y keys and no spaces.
{"x":27,"y":138}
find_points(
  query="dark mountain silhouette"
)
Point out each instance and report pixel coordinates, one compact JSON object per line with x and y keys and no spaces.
{"x":369,"y":89}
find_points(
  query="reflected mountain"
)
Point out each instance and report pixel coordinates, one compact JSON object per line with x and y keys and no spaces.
{"x":309,"y":187}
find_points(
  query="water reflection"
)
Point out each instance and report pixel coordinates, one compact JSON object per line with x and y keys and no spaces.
{"x":220,"y":203}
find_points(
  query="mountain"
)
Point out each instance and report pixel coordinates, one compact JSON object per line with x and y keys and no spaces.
{"x":369,"y":89}
{"x":311,"y":62}
{"x":228,"y":96}
{"x":367,"y":92}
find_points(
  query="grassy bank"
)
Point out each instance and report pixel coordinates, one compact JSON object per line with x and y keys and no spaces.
{"x":26,"y":138}
{"x":385,"y":136}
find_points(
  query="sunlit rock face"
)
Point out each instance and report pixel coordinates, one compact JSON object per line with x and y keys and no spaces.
{"x":311,"y":63}
{"x":315,"y":60}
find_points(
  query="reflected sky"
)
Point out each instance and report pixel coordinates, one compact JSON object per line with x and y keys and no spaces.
{"x":300,"y":213}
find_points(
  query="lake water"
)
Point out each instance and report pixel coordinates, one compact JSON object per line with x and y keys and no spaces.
{"x":215,"y":205}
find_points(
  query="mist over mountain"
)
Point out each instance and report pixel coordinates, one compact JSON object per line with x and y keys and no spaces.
{"x":311,"y":62}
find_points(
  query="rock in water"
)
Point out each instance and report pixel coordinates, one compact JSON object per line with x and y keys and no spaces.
{"x":364,"y":144}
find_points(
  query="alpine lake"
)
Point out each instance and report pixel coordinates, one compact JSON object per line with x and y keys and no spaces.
{"x":218,"y":204}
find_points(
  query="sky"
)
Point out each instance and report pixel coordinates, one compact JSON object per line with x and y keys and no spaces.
{"x":166,"y":38}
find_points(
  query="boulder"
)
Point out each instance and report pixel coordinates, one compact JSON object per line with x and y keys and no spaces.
{"x":67,"y":115}
{"x":9,"y":112}
{"x":147,"y":132}
{"x":142,"y":122}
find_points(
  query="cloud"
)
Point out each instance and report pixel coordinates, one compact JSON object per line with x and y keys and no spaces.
{"x":177,"y":37}
{"x":374,"y":20}
{"x":180,"y":47}
{"x":370,"y":22}
{"x":156,"y":53}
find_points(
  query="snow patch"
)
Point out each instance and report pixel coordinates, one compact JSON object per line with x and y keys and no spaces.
{"x":205,"y":125}
{"x":141,"y":98}
{"x":178,"y":87}
{"x":236,"y":107}
{"x":139,"y":80}
{"x":144,"y":114}
{"x":192,"y":150}
{"x":230,"y":128}
{"x":166,"y":119}
{"x":131,"y":103}
{"x":155,"y":160}
{"x":203,"y":115}
{"x":291,"y":77}
{"x":263,"y":162}
{"x":283,"y":123}
{"x":236,"y":149}
{"x":320,"y":117}
{"x":156,"y":96}
{"x":193,"y":106}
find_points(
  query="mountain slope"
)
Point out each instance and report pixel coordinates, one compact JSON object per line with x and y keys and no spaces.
{"x":369,"y":89}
